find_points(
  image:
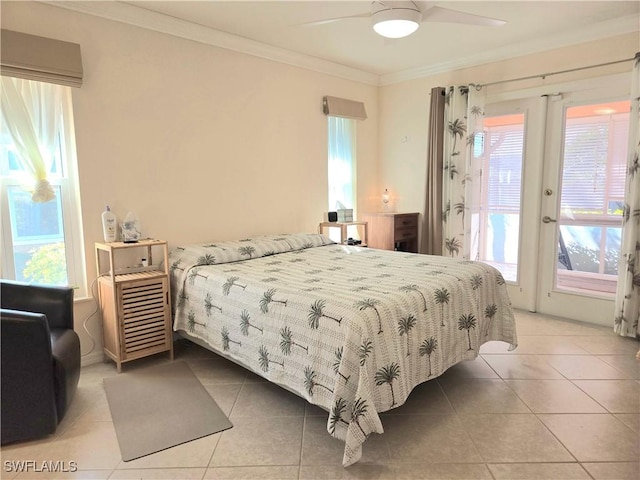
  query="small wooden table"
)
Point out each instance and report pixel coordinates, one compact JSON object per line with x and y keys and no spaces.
{"x":343,"y":230}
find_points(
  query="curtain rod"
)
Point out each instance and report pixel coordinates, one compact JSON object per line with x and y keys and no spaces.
{"x":544,"y":75}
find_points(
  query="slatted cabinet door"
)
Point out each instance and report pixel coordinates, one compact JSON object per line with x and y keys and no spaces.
{"x":143,"y":308}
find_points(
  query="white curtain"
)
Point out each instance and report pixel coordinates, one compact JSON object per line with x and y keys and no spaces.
{"x":32,"y":115}
{"x":341,"y":162}
{"x":462,"y":171}
{"x":628,"y":292}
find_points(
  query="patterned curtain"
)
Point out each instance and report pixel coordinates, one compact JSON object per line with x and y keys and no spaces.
{"x":462,"y":171}
{"x":628,"y":292}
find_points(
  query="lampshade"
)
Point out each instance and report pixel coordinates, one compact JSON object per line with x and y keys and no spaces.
{"x":396,"y":22}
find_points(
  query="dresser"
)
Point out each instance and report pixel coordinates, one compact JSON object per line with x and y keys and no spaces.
{"x":392,"y":231}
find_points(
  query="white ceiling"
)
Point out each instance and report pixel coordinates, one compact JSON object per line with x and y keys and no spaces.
{"x":276,"y":26}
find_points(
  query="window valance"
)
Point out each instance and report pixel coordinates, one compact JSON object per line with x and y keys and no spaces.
{"x":40,"y":59}
{"x":341,"y":107}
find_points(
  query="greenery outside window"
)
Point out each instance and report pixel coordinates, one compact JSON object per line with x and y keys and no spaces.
{"x":41,"y":242}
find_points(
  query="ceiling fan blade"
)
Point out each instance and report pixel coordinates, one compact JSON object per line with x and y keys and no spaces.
{"x":336,"y":19}
{"x":446,"y":15}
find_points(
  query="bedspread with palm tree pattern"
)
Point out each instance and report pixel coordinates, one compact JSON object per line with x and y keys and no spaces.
{"x":350,"y":329}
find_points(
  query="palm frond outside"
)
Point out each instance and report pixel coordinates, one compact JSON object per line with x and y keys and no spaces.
{"x":467,"y":322}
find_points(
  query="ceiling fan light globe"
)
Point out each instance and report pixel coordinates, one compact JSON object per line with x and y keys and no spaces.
{"x":396,"y":23}
{"x":395,"y":28}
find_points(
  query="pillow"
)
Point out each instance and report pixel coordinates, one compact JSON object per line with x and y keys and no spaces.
{"x":237,"y":250}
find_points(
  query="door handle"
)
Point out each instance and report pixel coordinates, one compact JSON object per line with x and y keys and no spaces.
{"x":548,"y":219}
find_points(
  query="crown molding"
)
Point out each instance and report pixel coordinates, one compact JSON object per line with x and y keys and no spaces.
{"x":140,"y":17}
{"x":619,"y":26}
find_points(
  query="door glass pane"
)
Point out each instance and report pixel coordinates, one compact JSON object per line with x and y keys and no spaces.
{"x":38,"y":238}
{"x":502,"y":191}
{"x":592,"y":196}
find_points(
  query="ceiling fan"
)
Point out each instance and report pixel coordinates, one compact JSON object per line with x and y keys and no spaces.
{"x":397,"y":19}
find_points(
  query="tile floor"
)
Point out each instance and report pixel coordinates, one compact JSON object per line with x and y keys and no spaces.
{"x":564,"y":405}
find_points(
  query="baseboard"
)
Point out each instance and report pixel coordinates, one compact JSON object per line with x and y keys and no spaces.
{"x":92,"y":358}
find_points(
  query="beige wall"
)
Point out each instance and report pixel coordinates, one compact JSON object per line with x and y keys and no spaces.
{"x":201,"y":143}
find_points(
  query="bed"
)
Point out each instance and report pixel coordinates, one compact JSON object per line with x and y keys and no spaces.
{"x":351,"y":329}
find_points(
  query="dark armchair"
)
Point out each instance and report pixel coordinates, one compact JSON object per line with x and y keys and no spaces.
{"x":40,"y":353}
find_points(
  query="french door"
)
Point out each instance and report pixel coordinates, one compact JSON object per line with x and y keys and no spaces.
{"x":553,"y":195}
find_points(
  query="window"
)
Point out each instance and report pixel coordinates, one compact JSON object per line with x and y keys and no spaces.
{"x":342,"y":139}
{"x":503,"y":139}
{"x":592,"y":201}
{"x":41,"y":241}
{"x":342,"y":166}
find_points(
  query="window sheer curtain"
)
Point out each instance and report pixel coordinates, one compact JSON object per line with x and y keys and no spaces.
{"x":32,"y":112}
{"x":628,"y":292}
{"x":462,"y":171}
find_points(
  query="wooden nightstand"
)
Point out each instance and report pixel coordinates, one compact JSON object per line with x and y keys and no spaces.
{"x":343,"y":226}
{"x":134,"y":300}
{"x":393,"y":231}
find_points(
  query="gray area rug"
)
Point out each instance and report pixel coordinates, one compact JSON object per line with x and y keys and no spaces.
{"x":159,"y":407}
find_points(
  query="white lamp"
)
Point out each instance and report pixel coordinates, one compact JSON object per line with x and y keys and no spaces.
{"x":396,"y":22}
{"x":385,"y":199}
